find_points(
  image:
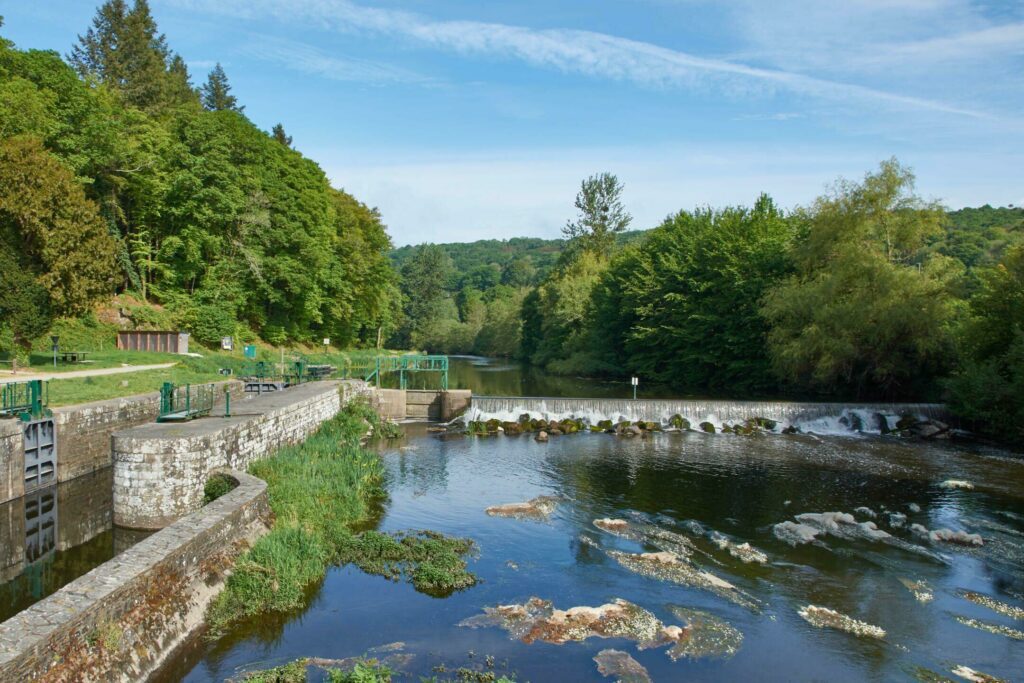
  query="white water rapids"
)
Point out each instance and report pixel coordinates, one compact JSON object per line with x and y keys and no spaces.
{"x":815,"y":418}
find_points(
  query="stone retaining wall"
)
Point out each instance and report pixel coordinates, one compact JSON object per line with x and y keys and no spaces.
{"x":160,"y":469}
{"x":83,"y":435}
{"x":120,"y":621}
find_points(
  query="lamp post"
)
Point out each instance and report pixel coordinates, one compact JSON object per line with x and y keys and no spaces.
{"x":636,"y":381}
{"x":55,"y":339}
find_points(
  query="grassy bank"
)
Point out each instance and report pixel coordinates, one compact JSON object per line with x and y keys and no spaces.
{"x":319,"y":490}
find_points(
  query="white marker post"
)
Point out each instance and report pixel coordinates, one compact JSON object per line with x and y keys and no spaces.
{"x":636,"y":381}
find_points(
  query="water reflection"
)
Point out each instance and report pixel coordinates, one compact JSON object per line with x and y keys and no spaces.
{"x":693,"y":485}
{"x":52,"y":536}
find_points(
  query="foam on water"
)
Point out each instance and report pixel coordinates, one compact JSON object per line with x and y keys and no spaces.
{"x":814,"y":418}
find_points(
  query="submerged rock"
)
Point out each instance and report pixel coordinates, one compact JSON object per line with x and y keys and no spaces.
{"x":866,"y":511}
{"x":666,"y":566}
{"x":1011,"y":611}
{"x":921,"y":590}
{"x":914,"y":507}
{"x":705,"y":635}
{"x":823,"y":617}
{"x":997,"y":629}
{"x":969,"y":674}
{"x":538,"y":620}
{"x":795,"y":534}
{"x":956,"y":484}
{"x":897,"y":520}
{"x":537,"y":508}
{"x":541,"y":436}
{"x":663,"y":539}
{"x":741,"y":551}
{"x":621,"y":666}
{"x":958,"y":537}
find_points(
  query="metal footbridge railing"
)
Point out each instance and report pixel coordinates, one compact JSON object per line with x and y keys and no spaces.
{"x":25,"y":399}
{"x":179,"y":404}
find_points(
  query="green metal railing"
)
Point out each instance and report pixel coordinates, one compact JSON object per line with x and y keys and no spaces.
{"x":27,"y":399}
{"x":178,"y":404}
{"x":404,"y":365}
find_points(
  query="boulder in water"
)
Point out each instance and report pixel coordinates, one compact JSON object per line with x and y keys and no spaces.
{"x":958,"y":537}
{"x":621,"y":666}
{"x":679,"y":422}
{"x":511,"y":428}
{"x":795,"y":534}
{"x":606,"y":425}
{"x":540,"y":507}
{"x":524,"y":419}
{"x":541,"y":436}
{"x":972,"y":676}
{"x":956,"y":484}
{"x":707,"y":427}
{"x":705,"y":635}
{"x":866,"y":511}
{"x":764,"y":423}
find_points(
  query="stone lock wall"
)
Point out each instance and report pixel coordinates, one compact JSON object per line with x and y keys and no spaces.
{"x":120,"y":621}
{"x":160,"y":469}
{"x":12,"y":460}
{"x":83,"y":435}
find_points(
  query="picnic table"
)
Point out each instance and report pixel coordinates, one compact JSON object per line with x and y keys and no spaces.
{"x":73,"y":356}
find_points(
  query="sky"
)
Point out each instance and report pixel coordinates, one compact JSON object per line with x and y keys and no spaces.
{"x":467,"y":120}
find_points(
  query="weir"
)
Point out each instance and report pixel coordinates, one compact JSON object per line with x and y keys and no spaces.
{"x":808,"y":416}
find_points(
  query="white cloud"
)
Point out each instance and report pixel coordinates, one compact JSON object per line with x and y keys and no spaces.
{"x":302,"y":57}
{"x":572,"y":51}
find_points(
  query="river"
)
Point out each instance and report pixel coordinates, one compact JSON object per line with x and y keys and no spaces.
{"x":708,"y":494}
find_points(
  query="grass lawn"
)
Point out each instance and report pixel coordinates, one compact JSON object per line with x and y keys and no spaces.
{"x":188,"y":370}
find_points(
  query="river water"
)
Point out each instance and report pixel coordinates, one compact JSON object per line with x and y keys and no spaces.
{"x":698,"y":488}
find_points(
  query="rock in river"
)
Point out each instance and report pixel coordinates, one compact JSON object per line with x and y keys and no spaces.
{"x":823,"y":617}
{"x":540,"y":507}
{"x":621,"y":666}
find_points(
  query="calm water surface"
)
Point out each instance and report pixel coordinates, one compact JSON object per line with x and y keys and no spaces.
{"x":741,"y":486}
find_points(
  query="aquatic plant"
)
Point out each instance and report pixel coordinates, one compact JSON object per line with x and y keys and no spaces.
{"x":366,"y":671}
{"x":292,"y":672}
{"x":621,"y":666}
{"x":432,"y":562}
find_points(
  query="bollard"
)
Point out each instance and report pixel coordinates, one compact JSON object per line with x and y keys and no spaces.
{"x":227,"y":402}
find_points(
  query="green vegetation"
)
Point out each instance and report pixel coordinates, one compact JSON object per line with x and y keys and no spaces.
{"x":292,"y":672}
{"x":364,"y":671}
{"x":217,"y":485}
{"x":174,"y":196}
{"x":318,"y":490}
{"x":433,"y":563}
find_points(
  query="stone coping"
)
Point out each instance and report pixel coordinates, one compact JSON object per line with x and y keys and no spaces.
{"x":34,"y":627}
{"x":242,"y":411}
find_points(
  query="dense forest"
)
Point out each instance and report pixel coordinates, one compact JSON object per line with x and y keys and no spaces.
{"x":118,"y":176}
{"x":120,"y":181}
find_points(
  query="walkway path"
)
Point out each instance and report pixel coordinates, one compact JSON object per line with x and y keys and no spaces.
{"x":23,"y":376}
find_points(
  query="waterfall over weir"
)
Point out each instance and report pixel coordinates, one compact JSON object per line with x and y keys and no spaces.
{"x":819,"y":418}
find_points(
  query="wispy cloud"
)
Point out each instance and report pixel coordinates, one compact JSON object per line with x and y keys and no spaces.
{"x":308,"y":59}
{"x":574,"y":51}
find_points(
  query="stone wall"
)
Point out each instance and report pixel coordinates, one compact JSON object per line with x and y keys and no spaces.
{"x":84,"y":430}
{"x":123,"y":619}
{"x":12,"y":460}
{"x":418,"y":404}
{"x":160,"y":469}
{"x":83,"y":435}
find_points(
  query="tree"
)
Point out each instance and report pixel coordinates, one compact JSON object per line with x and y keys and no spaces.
{"x":279,"y":135}
{"x":683,"y":305}
{"x":46,"y":219}
{"x":24,"y":307}
{"x":988,"y":390}
{"x":601,"y":214}
{"x":860,"y":316}
{"x":123,"y":50}
{"x":216,"y":92}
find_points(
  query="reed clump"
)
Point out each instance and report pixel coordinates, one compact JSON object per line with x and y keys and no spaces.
{"x":317,"y":490}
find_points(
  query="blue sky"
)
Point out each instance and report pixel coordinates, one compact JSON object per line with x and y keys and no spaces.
{"x":464,"y":120}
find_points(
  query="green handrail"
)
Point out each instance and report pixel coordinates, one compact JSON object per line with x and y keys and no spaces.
{"x":411,"y":363}
{"x":178,"y":404}
{"x":27,"y":399}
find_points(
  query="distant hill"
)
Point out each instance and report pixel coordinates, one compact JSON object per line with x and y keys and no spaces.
{"x":542,"y":254}
{"x":979,"y":236}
